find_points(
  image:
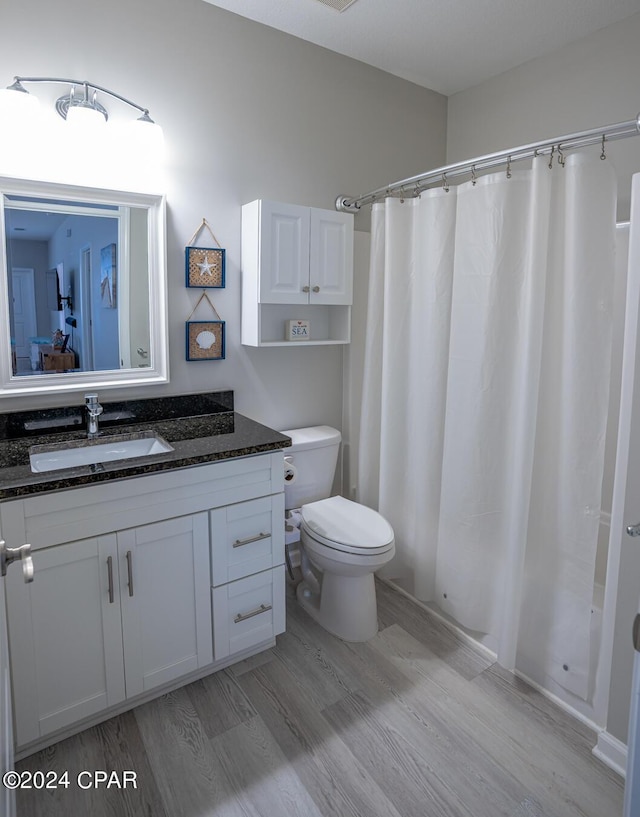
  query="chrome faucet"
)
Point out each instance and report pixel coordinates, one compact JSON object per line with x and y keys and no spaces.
{"x":94,"y":410}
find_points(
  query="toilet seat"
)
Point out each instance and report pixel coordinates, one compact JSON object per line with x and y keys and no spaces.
{"x":347,"y":526}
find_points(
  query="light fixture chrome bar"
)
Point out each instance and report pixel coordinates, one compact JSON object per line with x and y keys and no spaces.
{"x":415,"y":184}
{"x":84,"y":83}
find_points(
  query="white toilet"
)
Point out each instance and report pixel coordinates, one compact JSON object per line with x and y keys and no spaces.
{"x":342,"y":543}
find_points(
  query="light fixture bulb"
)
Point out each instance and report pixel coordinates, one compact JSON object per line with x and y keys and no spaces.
{"x":147,"y":136}
{"x":15,"y":101}
{"x":84,"y":115}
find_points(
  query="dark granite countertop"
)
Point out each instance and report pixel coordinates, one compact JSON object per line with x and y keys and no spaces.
{"x":208,"y":432}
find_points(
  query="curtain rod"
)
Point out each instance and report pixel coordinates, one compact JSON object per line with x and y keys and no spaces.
{"x":414,"y":185}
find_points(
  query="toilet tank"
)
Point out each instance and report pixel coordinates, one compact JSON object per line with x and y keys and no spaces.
{"x":314,"y":454}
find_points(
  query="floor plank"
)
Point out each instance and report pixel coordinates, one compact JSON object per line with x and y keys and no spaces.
{"x":259,"y":772}
{"x":335,"y":779}
{"x":115,"y":745}
{"x":414,"y":722}
{"x":442,"y":640}
{"x":549,"y":762}
{"x":190,"y":779}
{"x":219,"y":703}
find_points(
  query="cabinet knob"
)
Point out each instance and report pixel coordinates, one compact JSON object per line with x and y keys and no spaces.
{"x":305,"y":289}
{"x":316,"y":289}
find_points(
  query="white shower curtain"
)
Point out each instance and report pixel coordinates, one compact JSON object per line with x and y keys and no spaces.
{"x":485,"y":402}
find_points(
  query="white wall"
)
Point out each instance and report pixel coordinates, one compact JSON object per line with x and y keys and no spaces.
{"x":247,"y":112}
{"x":589,"y":83}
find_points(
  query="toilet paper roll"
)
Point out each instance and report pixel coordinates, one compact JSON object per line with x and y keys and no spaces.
{"x":290,"y":473}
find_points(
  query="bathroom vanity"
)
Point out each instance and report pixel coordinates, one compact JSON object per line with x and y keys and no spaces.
{"x":149,"y":573}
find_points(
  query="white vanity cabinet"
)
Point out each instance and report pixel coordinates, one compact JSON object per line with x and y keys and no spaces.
{"x":297,"y":262}
{"x":124,"y":599}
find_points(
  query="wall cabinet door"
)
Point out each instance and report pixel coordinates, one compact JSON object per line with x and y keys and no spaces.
{"x":165,"y":600}
{"x":330,"y":257}
{"x":65,"y":637}
{"x":284,"y":253}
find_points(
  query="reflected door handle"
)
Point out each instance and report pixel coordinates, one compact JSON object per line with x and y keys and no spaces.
{"x":633,"y":530}
{"x":9,"y":555}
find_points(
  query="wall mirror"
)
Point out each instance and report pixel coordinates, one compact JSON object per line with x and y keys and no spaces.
{"x":82,"y":288}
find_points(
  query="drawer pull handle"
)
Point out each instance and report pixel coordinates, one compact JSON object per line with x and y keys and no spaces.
{"x":240,"y":542}
{"x":110,"y":577}
{"x":244,"y":616}
{"x":130,"y":572}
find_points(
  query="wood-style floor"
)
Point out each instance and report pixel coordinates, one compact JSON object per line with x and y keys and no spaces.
{"x":414,"y":723}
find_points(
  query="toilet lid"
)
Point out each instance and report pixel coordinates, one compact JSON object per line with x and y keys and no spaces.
{"x":347,"y":523}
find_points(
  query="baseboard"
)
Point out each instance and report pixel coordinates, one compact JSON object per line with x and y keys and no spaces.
{"x":612,"y":752}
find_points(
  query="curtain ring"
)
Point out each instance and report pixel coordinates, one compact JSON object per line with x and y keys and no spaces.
{"x":553,"y":148}
{"x":445,"y":183}
{"x":402,"y":195}
{"x":603,"y":155}
{"x":508,"y":167}
{"x":417,"y":191}
{"x":561,"y":159}
{"x":474,"y":178}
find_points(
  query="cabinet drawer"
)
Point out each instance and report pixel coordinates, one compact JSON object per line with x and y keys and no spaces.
{"x":248,"y":612}
{"x":246,"y":538}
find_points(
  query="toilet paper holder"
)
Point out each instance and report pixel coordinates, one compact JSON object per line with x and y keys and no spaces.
{"x":290,"y":471}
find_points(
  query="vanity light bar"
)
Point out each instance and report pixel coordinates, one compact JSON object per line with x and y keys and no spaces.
{"x":87,"y":101}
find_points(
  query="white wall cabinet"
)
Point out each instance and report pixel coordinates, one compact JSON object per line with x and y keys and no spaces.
{"x":297,"y":262}
{"x":116,"y":614}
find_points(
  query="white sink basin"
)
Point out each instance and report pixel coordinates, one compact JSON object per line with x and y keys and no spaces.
{"x":92,"y":452}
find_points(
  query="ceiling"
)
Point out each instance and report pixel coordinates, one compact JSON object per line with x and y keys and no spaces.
{"x":445,"y":45}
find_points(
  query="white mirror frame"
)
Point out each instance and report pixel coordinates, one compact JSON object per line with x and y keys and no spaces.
{"x":158,"y":370}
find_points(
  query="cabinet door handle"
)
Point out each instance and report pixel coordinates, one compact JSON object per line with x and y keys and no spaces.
{"x":305,"y":289}
{"x":10,"y":555}
{"x":316,"y":289}
{"x":241,"y":542}
{"x":244,"y":616}
{"x":110,"y":577}
{"x":130,"y":572}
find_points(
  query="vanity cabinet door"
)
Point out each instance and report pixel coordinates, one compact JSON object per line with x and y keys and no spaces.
{"x":65,"y":637}
{"x":165,"y":600}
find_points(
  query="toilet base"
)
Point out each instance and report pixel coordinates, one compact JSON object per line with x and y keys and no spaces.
{"x":345,"y":606}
